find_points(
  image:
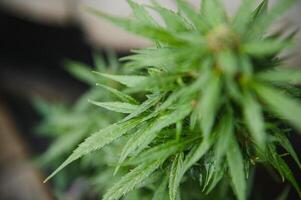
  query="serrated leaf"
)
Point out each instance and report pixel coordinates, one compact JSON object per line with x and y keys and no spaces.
{"x":127,"y":80}
{"x":132,"y":179}
{"x":175,"y":176}
{"x":80,"y":71}
{"x":120,"y":95}
{"x":173,"y":21}
{"x":274,"y":158}
{"x":165,"y":150}
{"x":151,"y":32}
{"x":197,"y":153}
{"x":191,"y":14}
{"x":143,"y":138}
{"x":151,"y":101}
{"x":285,"y":143}
{"x":97,"y":141}
{"x":253,"y":117}
{"x":281,"y":75}
{"x":209,"y":105}
{"x":281,"y":104}
{"x":141,"y":13}
{"x":236,"y":169}
{"x":120,"y":107}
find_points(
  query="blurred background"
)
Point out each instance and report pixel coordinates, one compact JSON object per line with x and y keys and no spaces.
{"x":36,"y":36}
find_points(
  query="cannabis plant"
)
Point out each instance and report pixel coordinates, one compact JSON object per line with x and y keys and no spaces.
{"x":210,"y":100}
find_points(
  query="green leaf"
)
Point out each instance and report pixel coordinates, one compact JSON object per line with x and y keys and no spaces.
{"x":281,"y":75}
{"x":117,"y":106}
{"x":274,"y":158}
{"x":163,"y":150}
{"x":160,"y":192}
{"x":243,"y":16}
{"x":97,"y":141}
{"x":254,"y":119}
{"x":132,"y":179}
{"x":285,"y":143}
{"x":213,"y":12}
{"x":261,"y":9}
{"x":175,"y":176}
{"x":281,"y":104}
{"x":209,"y":104}
{"x":191,"y":14}
{"x":145,"y":137}
{"x":80,"y":71}
{"x":197,"y":153}
{"x":151,"y":101}
{"x":173,"y":21}
{"x":120,"y":95}
{"x":264,"y":21}
{"x":264,"y":48}
{"x":99,"y":62}
{"x":134,"y":26}
{"x":141,"y":13}
{"x":127,"y":80}
{"x":236,"y":169}
{"x":224,"y":133}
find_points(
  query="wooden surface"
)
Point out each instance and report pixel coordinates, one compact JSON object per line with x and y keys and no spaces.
{"x":19,"y":180}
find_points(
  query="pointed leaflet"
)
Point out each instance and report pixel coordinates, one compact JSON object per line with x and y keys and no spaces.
{"x":281,"y":75}
{"x":264,"y":21}
{"x":132,"y":180}
{"x":141,"y":13}
{"x":80,"y":71}
{"x":173,"y":21}
{"x":209,"y":104}
{"x":97,"y":141}
{"x":243,"y":16}
{"x":236,"y":169}
{"x":196,"y":153}
{"x":127,"y":80}
{"x":224,"y":133}
{"x":254,"y":119}
{"x":120,"y":95}
{"x":120,"y":107}
{"x":191,"y":14}
{"x":145,"y":136}
{"x":152,"y":100}
{"x":275,"y":159}
{"x":265,"y":47}
{"x":281,"y":104}
{"x":213,"y":12}
{"x":134,"y":26}
{"x":175,"y":176}
{"x":260,"y":10}
{"x":285,"y":143}
{"x":99,"y":61}
{"x":165,"y":150}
